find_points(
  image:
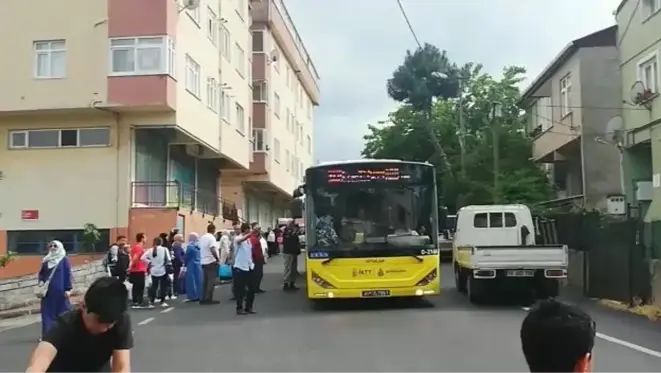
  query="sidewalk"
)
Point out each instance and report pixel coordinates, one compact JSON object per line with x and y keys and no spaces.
{"x":32,"y":309}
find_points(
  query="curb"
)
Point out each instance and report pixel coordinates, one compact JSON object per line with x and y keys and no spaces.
{"x":31,"y":310}
{"x":651,"y":312}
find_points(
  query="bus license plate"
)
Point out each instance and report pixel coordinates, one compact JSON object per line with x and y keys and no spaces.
{"x":376,"y":293}
{"x":521,"y":273}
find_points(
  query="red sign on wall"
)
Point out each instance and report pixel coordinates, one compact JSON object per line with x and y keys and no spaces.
{"x":30,"y":214}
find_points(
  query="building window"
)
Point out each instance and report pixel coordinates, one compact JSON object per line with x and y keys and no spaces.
{"x":35,"y":242}
{"x":565,"y":95}
{"x":276,"y":105}
{"x":258,"y":41}
{"x":195,"y":14}
{"x":288,"y":77}
{"x":648,"y":72}
{"x":309,"y":109}
{"x":309,"y":144}
{"x":650,"y":7}
{"x":240,"y":118}
{"x":240,"y":60}
{"x":225,"y":43}
{"x":50,"y":59}
{"x":260,"y":92}
{"x":212,"y":27}
{"x":192,"y":76}
{"x":302,"y":171}
{"x":59,"y":138}
{"x":276,"y":150}
{"x":142,"y":56}
{"x":276,"y":63}
{"x":259,"y":140}
{"x":292,"y":120}
{"x":212,"y":94}
{"x":287,"y":161}
{"x":288,"y":119}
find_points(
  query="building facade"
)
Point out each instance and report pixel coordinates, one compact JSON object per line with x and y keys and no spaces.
{"x":134,"y":117}
{"x":639,"y":44}
{"x":569,"y":107}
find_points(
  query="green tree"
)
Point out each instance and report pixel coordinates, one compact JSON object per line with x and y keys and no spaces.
{"x":6,"y":259}
{"x":405,"y":135}
{"x":425,"y":75}
{"x":91,"y":236}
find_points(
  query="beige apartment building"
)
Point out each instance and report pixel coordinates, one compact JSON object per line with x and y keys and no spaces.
{"x":139,"y":116}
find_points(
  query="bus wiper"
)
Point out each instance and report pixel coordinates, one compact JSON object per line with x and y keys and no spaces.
{"x":328,"y":260}
{"x":418,"y":258}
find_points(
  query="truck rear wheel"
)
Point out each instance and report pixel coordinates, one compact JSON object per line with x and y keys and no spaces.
{"x":459,"y":279}
{"x":474,"y":288}
{"x":550,"y":288}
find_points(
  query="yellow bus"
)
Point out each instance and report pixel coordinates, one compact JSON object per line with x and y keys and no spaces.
{"x":371,"y":229}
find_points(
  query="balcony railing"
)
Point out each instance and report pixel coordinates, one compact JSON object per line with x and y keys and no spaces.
{"x":172,"y":194}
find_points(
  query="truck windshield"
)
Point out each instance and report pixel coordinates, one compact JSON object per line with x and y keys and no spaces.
{"x":352,"y":217}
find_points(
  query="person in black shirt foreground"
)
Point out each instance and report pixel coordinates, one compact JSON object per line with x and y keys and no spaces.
{"x":557,"y":337}
{"x":85,"y":339}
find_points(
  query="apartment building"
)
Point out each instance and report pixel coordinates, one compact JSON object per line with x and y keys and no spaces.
{"x":569,"y":106}
{"x":285,"y":92}
{"x":639,"y":44}
{"x":135,"y":116}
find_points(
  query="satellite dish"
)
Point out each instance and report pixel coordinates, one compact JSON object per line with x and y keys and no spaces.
{"x":191,"y":4}
{"x":275,"y":55}
{"x":615,"y":130}
{"x":637,"y":89}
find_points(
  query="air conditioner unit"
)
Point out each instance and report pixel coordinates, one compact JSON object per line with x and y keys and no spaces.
{"x":644,"y":191}
{"x":194,"y":150}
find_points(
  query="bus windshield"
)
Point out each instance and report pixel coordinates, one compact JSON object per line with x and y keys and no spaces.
{"x":372,"y":215}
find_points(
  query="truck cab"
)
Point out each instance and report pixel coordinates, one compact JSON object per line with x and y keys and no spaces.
{"x":494,"y":251}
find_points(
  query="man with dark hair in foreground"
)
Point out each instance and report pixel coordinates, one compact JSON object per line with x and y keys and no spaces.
{"x":85,"y":339}
{"x":557,"y":337}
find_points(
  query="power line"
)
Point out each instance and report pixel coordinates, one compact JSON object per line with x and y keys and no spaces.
{"x":408,"y":23}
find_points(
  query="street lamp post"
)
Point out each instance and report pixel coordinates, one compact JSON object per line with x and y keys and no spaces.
{"x":495,"y":115}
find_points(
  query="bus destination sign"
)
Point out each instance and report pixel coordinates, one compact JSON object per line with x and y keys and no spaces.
{"x":363,"y":175}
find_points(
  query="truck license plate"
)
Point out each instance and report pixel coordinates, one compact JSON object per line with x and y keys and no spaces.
{"x":376,"y":293}
{"x":521,"y":273}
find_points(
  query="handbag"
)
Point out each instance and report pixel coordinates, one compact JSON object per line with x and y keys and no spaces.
{"x":42,"y":289}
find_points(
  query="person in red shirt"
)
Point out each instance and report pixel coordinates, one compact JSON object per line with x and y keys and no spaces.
{"x":257,"y":256}
{"x":138,"y":271}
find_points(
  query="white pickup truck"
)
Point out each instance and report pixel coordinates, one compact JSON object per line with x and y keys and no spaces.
{"x":494,"y":251}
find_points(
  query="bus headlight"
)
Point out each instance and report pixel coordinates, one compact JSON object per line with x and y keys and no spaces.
{"x":321,"y":282}
{"x":431,"y":276}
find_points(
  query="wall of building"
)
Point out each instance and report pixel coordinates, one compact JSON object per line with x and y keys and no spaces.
{"x":68,"y":187}
{"x":236,"y":79}
{"x":86,"y":54}
{"x":600,"y":89}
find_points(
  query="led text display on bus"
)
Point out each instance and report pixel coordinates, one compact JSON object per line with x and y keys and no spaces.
{"x":369,"y":173}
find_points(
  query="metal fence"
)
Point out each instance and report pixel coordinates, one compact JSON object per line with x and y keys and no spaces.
{"x":172,"y":194}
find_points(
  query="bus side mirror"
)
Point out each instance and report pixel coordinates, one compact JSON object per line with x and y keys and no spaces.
{"x":296,"y":208}
{"x":298,"y":192}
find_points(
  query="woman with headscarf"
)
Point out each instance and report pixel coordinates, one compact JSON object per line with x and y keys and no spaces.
{"x":55,"y":284}
{"x":193,"y":268}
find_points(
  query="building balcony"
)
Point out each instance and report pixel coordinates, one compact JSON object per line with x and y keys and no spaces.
{"x":547,"y":141}
{"x":273,"y":13}
{"x":172,"y":194}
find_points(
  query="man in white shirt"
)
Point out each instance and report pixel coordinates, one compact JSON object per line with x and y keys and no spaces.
{"x":210,"y":260}
{"x":243,"y":281}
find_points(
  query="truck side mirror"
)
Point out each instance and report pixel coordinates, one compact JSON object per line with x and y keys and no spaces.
{"x":525,"y":232}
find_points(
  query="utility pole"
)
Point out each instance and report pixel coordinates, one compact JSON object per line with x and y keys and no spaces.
{"x":496,"y":114}
{"x":462,"y":128}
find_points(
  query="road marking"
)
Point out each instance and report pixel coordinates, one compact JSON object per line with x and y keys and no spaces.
{"x":167,"y":310}
{"x":630,"y":345}
{"x":623,"y":343}
{"x":146,"y":321}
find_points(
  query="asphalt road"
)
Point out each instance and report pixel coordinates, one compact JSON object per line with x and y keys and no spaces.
{"x":442,"y":334}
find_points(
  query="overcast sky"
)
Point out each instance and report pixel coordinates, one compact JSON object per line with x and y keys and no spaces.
{"x":356,"y":45}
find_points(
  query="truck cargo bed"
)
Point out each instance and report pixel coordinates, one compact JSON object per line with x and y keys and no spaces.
{"x":531,"y":257}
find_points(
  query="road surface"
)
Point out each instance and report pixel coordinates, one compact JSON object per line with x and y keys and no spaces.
{"x":444,"y":334}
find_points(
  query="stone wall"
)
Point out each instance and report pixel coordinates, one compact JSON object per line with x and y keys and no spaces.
{"x":19,"y":292}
